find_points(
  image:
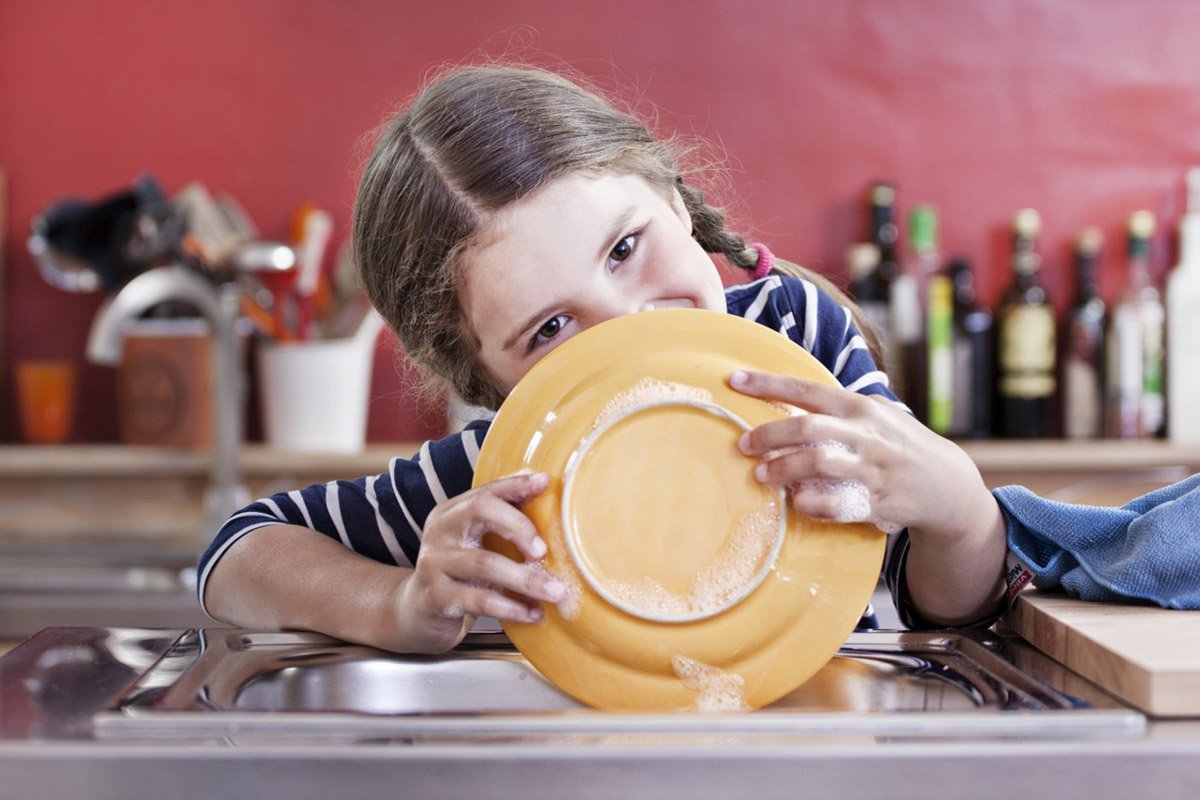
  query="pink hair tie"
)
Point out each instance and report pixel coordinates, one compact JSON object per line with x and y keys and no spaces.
{"x":766,"y":262}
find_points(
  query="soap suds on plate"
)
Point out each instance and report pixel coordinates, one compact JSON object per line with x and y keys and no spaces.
{"x":716,"y":690}
{"x":721,"y":582}
{"x":650,"y":390}
{"x":568,"y":607}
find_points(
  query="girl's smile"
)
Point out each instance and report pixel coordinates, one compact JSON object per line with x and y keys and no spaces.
{"x":581,"y":250}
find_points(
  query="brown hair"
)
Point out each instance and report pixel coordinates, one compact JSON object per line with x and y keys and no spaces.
{"x":474,"y":141}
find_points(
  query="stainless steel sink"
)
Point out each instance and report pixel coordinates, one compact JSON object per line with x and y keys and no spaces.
{"x":219,"y":682}
{"x":192,"y":713}
{"x":104,"y":584}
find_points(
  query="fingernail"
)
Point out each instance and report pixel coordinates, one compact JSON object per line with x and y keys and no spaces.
{"x":556,"y":589}
{"x":760,"y":472}
{"x":537,"y":548}
{"x":535,"y":614}
{"x":744,"y":443}
{"x":738,"y":378}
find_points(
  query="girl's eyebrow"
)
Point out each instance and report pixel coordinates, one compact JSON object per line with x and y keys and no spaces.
{"x":619,"y":228}
{"x":532,"y":320}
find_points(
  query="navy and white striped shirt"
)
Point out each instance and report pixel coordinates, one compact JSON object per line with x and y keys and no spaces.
{"x":382,"y":516}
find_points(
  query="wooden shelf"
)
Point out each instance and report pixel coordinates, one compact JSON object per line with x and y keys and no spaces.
{"x":126,"y":461}
{"x":1056,"y":455}
{"x":257,"y":460}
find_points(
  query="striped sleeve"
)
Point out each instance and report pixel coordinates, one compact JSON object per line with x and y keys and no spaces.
{"x":378,"y":516}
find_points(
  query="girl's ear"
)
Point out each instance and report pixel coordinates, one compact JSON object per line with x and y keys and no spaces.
{"x":680,"y":209}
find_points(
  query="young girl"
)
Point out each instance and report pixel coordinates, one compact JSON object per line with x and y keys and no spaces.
{"x":503,"y":212}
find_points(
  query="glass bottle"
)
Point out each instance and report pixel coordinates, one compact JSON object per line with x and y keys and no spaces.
{"x":908,"y":309}
{"x":939,"y":333}
{"x":878,"y":286}
{"x":1135,"y":406}
{"x":862,"y":266}
{"x":971,"y":357}
{"x":1083,"y":344}
{"x":1183,"y":325}
{"x":1025,"y":326}
{"x":884,"y":232}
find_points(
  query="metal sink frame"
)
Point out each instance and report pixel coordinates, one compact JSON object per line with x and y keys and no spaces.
{"x":247,"y":685}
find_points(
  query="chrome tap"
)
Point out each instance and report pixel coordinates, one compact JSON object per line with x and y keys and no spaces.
{"x":219,"y":305}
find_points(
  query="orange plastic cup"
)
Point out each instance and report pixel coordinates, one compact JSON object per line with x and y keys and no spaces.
{"x":46,"y":399}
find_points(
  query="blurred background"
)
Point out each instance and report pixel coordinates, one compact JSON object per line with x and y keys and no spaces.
{"x":1086,"y":110}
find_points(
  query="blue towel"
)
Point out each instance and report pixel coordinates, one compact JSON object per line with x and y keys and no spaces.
{"x":1148,"y":549}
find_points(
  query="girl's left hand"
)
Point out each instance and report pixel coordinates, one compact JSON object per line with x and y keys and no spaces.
{"x":856,"y":457}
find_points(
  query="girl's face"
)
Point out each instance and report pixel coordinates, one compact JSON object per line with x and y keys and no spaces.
{"x":581,"y":250}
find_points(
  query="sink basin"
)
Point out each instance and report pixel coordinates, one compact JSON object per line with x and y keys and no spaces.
{"x":908,"y":673}
{"x":219,"y":682}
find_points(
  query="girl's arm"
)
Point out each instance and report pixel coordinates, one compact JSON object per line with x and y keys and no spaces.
{"x":857,"y":458}
{"x":286,"y":576}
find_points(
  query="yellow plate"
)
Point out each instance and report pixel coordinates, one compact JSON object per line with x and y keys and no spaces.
{"x":692,"y":585}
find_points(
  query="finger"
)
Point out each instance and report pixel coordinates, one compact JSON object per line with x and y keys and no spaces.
{"x":499,"y":572}
{"x":828,"y":462}
{"x":808,"y":395}
{"x":483,"y":602}
{"x":489,"y":509}
{"x":519,"y":487}
{"x":810,"y":430}
{"x":829,"y":498}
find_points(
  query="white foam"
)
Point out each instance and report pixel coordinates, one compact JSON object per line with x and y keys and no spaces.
{"x":568,"y":607}
{"x":720,"y":582}
{"x":650,"y":390}
{"x":716,"y":690}
{"x":853,"y":503}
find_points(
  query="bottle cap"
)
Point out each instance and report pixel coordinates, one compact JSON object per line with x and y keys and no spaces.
{"x":1027,"y":223}
{"x":882,"y":194}
{"x":1141,"y":224}
{"x":1089,"y":241}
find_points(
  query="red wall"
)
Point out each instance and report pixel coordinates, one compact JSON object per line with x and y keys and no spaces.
{"x":1085,"y":110}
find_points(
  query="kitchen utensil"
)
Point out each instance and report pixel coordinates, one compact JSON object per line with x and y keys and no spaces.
{"x":682,"y":593}
{"x":82,"y":246}
{"x":220,"y":226}
{"x":312,"y":228}
{"x":274,"y":266}
{"x":1145,"y":655}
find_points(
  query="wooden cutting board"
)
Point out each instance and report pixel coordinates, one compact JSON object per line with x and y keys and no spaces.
{"x":1147,"y":656}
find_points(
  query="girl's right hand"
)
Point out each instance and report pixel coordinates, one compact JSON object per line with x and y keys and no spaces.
{"x":455,"y":579}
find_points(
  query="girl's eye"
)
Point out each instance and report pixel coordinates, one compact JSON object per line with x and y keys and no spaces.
{"x":548,"y":331}
{"x":623,"y":250}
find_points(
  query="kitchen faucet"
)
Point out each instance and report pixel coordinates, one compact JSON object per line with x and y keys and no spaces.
{"x":219,"y":305}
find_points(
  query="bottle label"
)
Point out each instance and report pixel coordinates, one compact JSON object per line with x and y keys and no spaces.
{"x":1082,"y":419}
{"x":1027,"y":352}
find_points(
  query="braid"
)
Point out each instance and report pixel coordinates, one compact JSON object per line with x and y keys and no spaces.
{"x":708,"y":228}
